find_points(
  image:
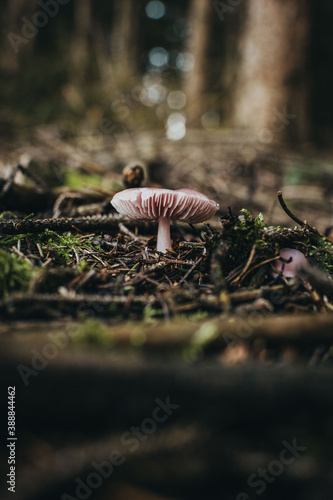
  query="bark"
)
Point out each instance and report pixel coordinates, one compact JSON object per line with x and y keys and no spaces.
{"x":13,"y":50}
{"x":80,"y":45}
{"x":98,"y":223}
{"x":124,"y":53}
{"x":198,"y":44}
{"x":272,"y":71}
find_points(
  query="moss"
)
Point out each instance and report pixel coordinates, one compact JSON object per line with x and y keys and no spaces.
{"x":12,"y":240}
{"x":248,"y":231}
{"x":15,"y":273}
{"x":61,"y":244}
{"x":77,"y":180}
{"x":321,"y":249}
{"x":198,"y":315}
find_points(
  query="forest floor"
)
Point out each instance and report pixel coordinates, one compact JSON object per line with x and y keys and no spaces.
{"x":77,"y":276}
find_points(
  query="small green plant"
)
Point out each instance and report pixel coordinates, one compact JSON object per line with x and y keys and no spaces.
{"x":15,"y":273}
{"x":246,"y":233}
{"x":7,"y":215}
{"x":150,"y":314}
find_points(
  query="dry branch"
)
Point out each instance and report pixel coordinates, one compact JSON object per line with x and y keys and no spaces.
{"x":88,"y":223}
{"x":212,"y":335}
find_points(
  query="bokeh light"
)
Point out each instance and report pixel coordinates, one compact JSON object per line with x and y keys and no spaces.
{"x":176,"y":128}
{"x":158,"y":57}
{"x":185,"y":61}
{"x":210,"y":120}
{"x":155,"y":9}
{"x":182,"y":28}
{"x":155,"y":94}
{"x":176,"y":99}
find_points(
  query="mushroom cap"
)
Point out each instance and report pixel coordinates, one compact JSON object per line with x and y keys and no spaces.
{"x":290,"y":269}
{"x":152,"y":203}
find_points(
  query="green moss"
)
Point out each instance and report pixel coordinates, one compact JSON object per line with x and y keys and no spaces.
{"x":196,"y":316}
{"x":77,"y":180}
{"x":61,"y":244}
{"x":15,"y":273}
{"x":321,"y":249}
{"x":248,"y":231}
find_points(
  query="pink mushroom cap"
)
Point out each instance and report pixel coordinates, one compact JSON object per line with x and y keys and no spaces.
{"x":164,"y":205}
{"x":290,"y":269}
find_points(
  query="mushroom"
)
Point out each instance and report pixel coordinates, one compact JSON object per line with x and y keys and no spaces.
{"x":163,"y":205}
{"x":289,"y":269}
{"x":133,"y":175}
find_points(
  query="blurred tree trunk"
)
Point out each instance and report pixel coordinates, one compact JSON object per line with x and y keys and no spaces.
{"x":200,"y":12}
{"x":18,"y":34}
{"x":271,"y":93}
{"x":124,"y":53}
{"x":80,"y":49}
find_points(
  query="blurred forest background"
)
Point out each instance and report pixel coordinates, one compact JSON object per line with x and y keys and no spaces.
{"x":232,"y":78}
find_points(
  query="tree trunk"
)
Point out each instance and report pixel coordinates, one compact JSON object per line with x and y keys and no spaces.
{"x":270,"y":97}
{"x":124,"y":39}
{"x":16,"y":44}
{"x":80,"y":45}
{"x":198,"y":44}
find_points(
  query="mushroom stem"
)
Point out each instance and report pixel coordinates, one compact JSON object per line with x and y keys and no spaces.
{"x":163,"y":235}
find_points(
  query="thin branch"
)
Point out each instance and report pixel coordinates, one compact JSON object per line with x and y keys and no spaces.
{"x":288,"y":211}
